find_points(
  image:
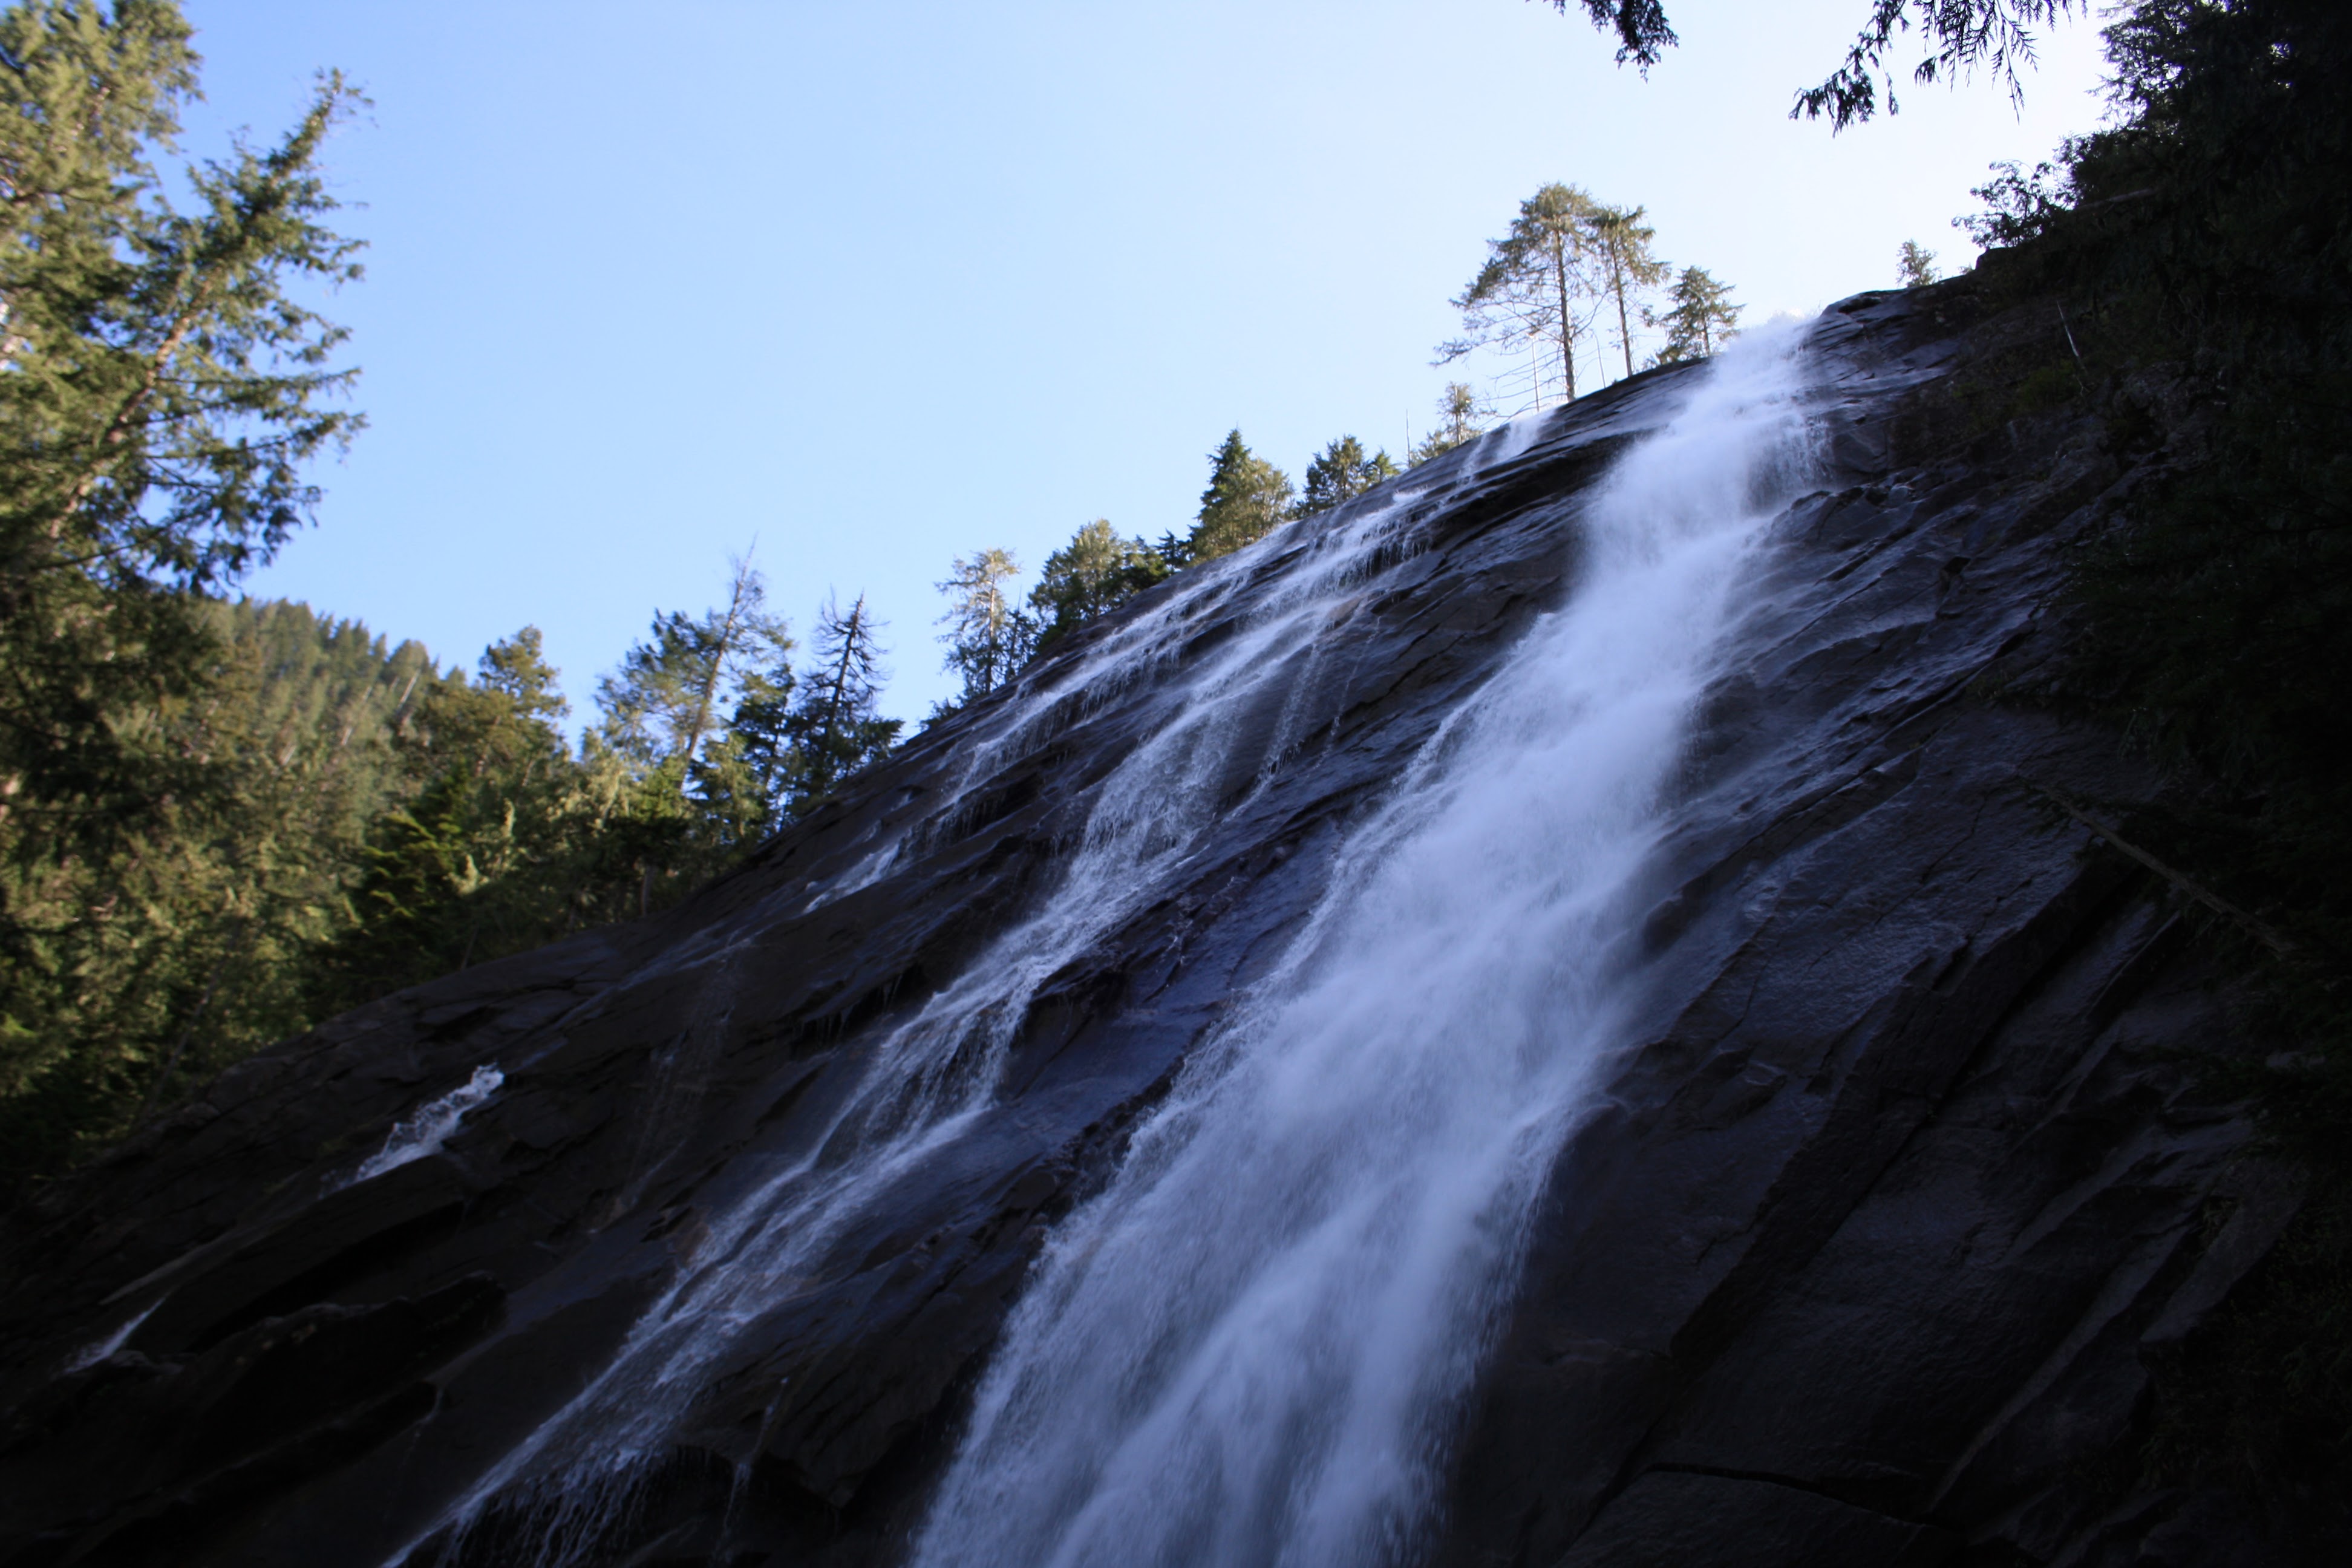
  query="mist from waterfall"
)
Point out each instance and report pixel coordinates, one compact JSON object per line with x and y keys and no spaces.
{"x":1242,"y":1350}
{"x":1246,"y":1350}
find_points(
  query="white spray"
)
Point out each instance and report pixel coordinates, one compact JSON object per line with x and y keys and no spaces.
{"x":1246,"y":1350}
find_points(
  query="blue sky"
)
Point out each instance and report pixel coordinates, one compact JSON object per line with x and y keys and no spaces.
{"x":880,"y":285}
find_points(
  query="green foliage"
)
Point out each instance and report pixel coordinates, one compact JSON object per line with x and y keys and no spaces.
{"x":1625,"y":267}
{"x":166,"y":838}
{"x":671,"y":690}
{"x":1091,"y":575}
{"x":1640,"y":28}
{"x":834,"y":724}
{"x":1538,"y":285}
{"x":988,"y":636}
{"x":1341,"y":472}
{"x":1962,"y":37}
{"x":134,"y":975}
{"x":1461,"y":419}
{"x":1915,"y":265}
{"x":1246,"y":499}
{"x":1699,"y":318}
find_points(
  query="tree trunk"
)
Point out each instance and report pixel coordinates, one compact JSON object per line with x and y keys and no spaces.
{"x":1567,"y":322}
{"x":1624,"y":331}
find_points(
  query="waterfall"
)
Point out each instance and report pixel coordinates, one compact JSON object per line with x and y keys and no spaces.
{"x":1244,"y":1352}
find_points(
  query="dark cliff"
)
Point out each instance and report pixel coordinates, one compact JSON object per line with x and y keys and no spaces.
{"x":1899,"y":1189}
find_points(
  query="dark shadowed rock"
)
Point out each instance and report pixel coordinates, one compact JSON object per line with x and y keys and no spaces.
{"x":1902,"y":1177}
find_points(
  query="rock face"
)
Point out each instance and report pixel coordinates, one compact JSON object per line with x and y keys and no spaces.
{"x":1898,"y":1185}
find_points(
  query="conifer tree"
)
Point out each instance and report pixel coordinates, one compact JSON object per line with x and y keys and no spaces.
{"x":1341,"y":472}
{"x":1622,"y":244}
{"x":672,"y":690}
{"x":1700,"y":316}
{"x":1538,"y":285}
{"x":988,"y":636}
{"x":163,"y":383}
{"x":1963,"y":35}
{"x":1246,"y":498}
{"x":834,"y":724}
{"x":1094,"y":573}
{"x":1915,"y":265}
{"x":1462,"y":418}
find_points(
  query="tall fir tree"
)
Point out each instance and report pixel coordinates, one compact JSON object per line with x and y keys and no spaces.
{"x":1341,"y":472}
{"x":163,"y":384}
{"x":1461,"y":418}
{"x":1246,"y":499}
{"x":1539,"y":284}
{"x":834,"y":721}
{"x":1698,"y":317}
{"x":989,"y":635}
{"x":1628,"y":270}
{"x":1094,"y":573}
{"x":673,"y":690}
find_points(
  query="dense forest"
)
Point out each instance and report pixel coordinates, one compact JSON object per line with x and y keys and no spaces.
{"x":222,"y":820}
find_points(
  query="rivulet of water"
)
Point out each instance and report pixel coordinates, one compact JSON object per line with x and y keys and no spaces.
{"x":928,"y":1076}
{"x":1246,"y":1350}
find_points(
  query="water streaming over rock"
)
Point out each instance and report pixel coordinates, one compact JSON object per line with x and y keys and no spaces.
{"x":1240,"y":1350}
{"x":1529,"y":1018}
{"x":1244,"y":1352}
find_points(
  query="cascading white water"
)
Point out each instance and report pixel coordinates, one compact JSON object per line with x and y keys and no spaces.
{"x":1244,"y":1352}
{"x":927,"y":1079}
{"x":1237,"y":1353}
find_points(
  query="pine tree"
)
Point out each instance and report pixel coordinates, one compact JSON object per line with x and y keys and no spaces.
{"x":1538,"y":285}
{"x":1462,"y":418}
{"x":1342,"y":472}
{"x":479,"y":857}
{"x":834,"y":724}
{"x":1623,"y":246}
{"x":1094,"y":573}
{"x":669,"y":694}
{"x":165,"y":385}
{"x":1915,"y":266}
{"x":169,"y":841}
{"x":1700,"y":317}
{"x":988,"y":636}
{"x":1247,"y":496}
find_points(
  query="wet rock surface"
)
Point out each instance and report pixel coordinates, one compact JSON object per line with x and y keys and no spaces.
{"x":1899,"y":1182}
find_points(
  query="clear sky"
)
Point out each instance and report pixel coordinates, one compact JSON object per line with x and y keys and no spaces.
{"x":881,"y":284}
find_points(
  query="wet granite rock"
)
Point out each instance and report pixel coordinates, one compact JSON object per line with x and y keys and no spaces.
{"x":1900,"y":1182}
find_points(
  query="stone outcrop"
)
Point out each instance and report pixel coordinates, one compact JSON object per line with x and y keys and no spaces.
{"x":1901,"y":1183}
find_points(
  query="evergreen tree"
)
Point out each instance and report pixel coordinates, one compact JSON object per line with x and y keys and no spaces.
{"x":136,"y":975}
{"x":670,"y":693}
{"x":1622,"y":244}
{"x":834,"y":724}
{"x":1963,"y":35}
{"x":475,"y":859}
{"x":1915,"y":266}
{"x":1342,"y":472}
{"x":1094,"y":573}
{"x":1700,"y":317}
{"x":1246,"y":498}
{"x":988,"y":636}
{"x":165,"y":844}
{"x":1462,"y":418}
{"x":1538,"y":285}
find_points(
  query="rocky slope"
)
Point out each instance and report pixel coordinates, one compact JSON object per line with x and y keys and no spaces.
{"x":1898,"y":1191}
